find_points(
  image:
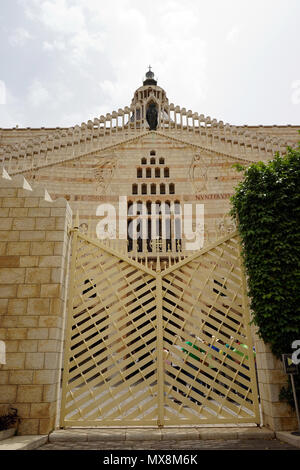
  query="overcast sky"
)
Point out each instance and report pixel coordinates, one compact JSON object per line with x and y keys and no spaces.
{"x":66,"y":61}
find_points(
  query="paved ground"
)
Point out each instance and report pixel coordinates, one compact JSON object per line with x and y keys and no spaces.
{"x":238,"y":444}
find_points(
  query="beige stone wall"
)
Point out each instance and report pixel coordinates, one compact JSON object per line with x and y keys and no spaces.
{"x":33,"y":261}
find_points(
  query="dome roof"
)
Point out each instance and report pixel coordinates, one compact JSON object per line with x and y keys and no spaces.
{"x":150,"y":78}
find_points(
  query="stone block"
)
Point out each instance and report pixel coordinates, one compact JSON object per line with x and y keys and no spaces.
{"x":39,"y":212}
{"x":23,"y":223}
{"x":33,"y":235}
{"x":34,"y":360}
{"x":46,"y":425}
{"x":45,"y":377}
{"x":48,"y":345}
{"x":3,"y":248}
{"x":39,"y":275}
{"x":8,"y":235}
{"x":50,"y":393}
{"x":58,"y":211}
{"x":23,"y":409}
{"x":56,"y":307}
{"x":28,"y":427}
{"x":7,"y":291}
{"x":43,"y":223}
{"x":18,"y":248}
{"x":38,"y":307}
{"x":4,"y":211}
{"x":13,"y":202}
{"x":28,"y":345}
{"x":32,"y":202}
{"x":12,"y":345}
{"x":41,"y":410}
{"x":8,"y":393}
{"x":51,"y":361}
{"x":57,"y":275}
{"x":42,"y":248}
{"x":55,"y":333}
{"x":14,"y":361}
{"x":56,"y":235}
{"x":50,"y":261}
{"x":3,"y":306}
{"x":29,"y":261}
{"x":6,"y":223}
{"x":50,"y":322}
{"x":21,"y":377}
{"x":18,"y":212}
{"x":37,"y":333}
{"x":60,"y":223}
{"x":10,"y":261}
{"x":16,"y":333}
{"x":17,"y":306}
{"x":28,"y":290}
{"x":29,"y":393}
{"x":12,"y":275}
{"x":4,"y":378}
{"x":50,"y":290}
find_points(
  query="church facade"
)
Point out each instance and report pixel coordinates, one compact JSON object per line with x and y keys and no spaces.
{"x":180,"y":157}
{"x":117,"y":255}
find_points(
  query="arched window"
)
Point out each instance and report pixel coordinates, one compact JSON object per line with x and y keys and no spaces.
{"x":139,"y":173}
{"x":153,"y":188}
{"x":130,"y":208}
{"x":162,"y":188}
{"x":152,"y":161}
{"x":148,"y":172}
{"x":148,"y":206}
{"x":161,"y":161}
{"x":166,"y":172}
{"x":144,"y":161}
{"x":157,"y":172}
{"x":152,"y":152}
{"x":171,"y":188}
{"x":177,"y":207}
{"x":134,"y":189}
{"x":144,"y":189}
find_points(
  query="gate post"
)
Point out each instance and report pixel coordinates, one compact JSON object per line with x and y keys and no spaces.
{"x":276,"y":414}
{"x":160,"y":345}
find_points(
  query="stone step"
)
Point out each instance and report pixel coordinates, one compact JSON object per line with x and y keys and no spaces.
{"x":143,"y":434}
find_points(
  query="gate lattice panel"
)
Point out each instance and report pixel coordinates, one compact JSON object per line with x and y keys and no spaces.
{"x":149,"y":348}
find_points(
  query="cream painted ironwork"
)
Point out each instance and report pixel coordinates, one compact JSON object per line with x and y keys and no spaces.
{"x":152,"y":347}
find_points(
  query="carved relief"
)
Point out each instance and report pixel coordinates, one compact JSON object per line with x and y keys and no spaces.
{"x":105,"y":170}
{"x":224,"y":225}
{"x":198,"y":173}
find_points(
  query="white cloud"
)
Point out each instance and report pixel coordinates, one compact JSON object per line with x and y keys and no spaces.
{"x":233,"y":35}
{"x":19,"y":37}
{"x":38,"y":95}
{"x":56,"y":15}
{"x":58,"y":45}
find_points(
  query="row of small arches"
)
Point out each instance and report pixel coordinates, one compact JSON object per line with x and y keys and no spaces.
{"x":157,"y":172}
{"x":157,"y":207}
{"x":154,"y":188}
{"x":161,"y":161}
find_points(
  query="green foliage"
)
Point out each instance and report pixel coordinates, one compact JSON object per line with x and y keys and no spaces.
{"x":266,"y":205}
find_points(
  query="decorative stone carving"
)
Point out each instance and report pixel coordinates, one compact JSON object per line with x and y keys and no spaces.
{"x":104,"y":172}
{"x":198,"y":171}
{"x":224,"y":225}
